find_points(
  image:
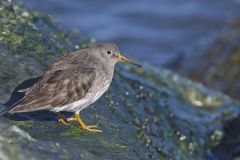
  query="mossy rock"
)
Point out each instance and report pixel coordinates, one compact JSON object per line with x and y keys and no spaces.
{"x":219,"y":68}
{"x":147,"y":113}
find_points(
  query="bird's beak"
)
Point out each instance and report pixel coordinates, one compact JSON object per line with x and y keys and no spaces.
{"x":124,"y":59}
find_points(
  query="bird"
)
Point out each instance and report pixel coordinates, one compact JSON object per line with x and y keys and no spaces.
{"x":73,"y":83}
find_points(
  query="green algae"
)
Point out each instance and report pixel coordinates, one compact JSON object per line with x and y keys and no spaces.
{"x":74,"y":131}
{"x":216,"y":136}
{"x":113,"y":145}
{"x":34,"y":124}
{"x":199,"y":99}
{"x":28,"y":124}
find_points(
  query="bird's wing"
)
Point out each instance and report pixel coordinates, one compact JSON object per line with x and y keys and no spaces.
{"x":57,"y":88}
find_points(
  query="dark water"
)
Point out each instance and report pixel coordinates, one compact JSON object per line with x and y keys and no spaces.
{"x":160,"y":32}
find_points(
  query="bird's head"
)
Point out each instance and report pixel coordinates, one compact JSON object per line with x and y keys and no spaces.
{"x":109,"y":52}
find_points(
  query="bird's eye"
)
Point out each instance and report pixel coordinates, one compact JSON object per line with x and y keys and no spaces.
{"x":109,"y":52}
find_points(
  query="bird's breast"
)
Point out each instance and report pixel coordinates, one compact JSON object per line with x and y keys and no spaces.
{"x":104,"y":87}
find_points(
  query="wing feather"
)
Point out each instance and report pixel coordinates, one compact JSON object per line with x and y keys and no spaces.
{"x":57,"y":88}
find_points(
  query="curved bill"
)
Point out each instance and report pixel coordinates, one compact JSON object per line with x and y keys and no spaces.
{"x":124,"y":59}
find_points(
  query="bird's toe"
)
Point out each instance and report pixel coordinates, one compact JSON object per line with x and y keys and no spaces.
{"x":91,"y":128}
{"x":62,"y":121}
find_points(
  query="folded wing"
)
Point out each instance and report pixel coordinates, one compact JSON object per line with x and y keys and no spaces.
{"x":57,"y":88}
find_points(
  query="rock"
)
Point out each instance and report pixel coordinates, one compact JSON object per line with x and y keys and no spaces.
{"x":147,"y":113}
{"x":219,"y":68}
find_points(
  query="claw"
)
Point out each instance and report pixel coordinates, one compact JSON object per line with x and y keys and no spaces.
{"x":91,"y":128}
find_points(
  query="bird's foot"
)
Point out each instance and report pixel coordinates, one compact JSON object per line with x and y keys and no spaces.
{"x":91,"y":128}
{"x":62,"y":120}
{"x":65,"y":122}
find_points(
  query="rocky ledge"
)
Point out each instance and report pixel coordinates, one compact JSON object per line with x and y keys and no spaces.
{"x":148,"y":113}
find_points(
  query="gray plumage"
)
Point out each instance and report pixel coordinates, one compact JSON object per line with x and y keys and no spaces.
{"x":74,"y":82}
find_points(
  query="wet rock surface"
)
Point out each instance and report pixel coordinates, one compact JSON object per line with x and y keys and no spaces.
{"x":147,"y":113}
{"x":220,"y":67}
